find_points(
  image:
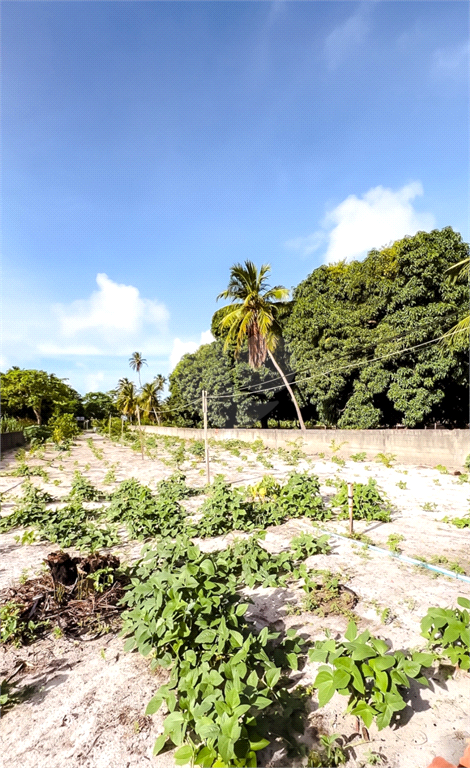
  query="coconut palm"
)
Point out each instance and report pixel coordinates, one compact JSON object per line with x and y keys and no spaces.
{"x":149,"y":396}
{"x":461,"y":331}
{"x":126,"y":399}
{"x":136,"y":361}
{"x":254,"y":316}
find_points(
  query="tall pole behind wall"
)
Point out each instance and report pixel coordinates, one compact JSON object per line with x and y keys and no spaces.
{"x":206,"y":442}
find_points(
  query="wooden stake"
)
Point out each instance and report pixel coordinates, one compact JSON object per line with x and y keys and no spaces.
{"x":350,"y":506}
{"x":140,"y":433}
{"x":206,"y":442}
{"x":110,"y":426}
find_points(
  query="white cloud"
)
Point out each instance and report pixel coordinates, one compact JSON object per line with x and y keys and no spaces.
{"x":356,"y":225}
{"x":346,"y":37}
{"x":112,"y":315}
{"x":451,"y":61}
{"x":94,"y":381}
{"x":181,"y":348}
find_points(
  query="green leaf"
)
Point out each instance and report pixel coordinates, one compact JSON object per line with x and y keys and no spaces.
{"x":362,"y":651}
{"x":292,"y":660}
{"x":205,"y":757}
{"x":183,"y":755}
{"x":208,"y":567}
{"x":424,"y":659}
{"x":365,"y":712}
{"x":260,"y":744}
{"x":206,"y":636}
{"x":341,"y":678}
{"x":232,"y":698}
{"x":154,"y":705}
{"x":325,"y":693}
{"x":159,"y":744}
{"x":262,"y":702}
{"x":381,"y":662}
{"x":351,"y":632}
{"x":272,"y":676}
{"x":464,"y":602}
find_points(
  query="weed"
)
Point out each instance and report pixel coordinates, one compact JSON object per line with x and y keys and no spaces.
{"x":442,"y":469}
{"x":436,"y":481}
{"x":28,"y":537}
{"x":326,"y":596}
{"x":331,"y":755}
{"x":14,"y":628}
{"x":373,"y":758}
{"x":335,"y":447}
{"x":393,"y":542}
{"x":322,"y":455}
{"x":361,"y":456}
{"x":401,"y":484}
{"x":429,"y":506}
{"x":386,"y":459}
{"x":463,"y":478}
{"x":57,"y":633}
{"x":57,"y":482}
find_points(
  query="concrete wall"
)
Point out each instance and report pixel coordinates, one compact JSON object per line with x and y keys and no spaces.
{"x":11,"y":440}
{"x":426,"y":447}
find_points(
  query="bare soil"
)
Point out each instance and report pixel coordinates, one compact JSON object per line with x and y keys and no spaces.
{"x":81,"y":701}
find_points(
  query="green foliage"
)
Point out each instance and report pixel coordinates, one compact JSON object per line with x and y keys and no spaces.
{"x":99,"y":405}
{"x":442,"y":469}
{"x":459,"y":522}
{"x":467,"y":462}
{"x":401,"y":484}
{"x":70,"y":526}
{"x":362,"y":668}
{"x":196,"y":447}
{"x":14,"y":628}
{"x":226,"y":680}
{"x":448,"y":631}
{"x":10,"y":424}
{"x":36,"y":393}
{"x":64,"y":427}
{"x":331,"y":755}
{"x":83,"y":490}
{"x":25,"y":470}
{"x":228,"y":508}
{"x":368,"y":503}
{"x":359,"y":456}
{"x":147,"y":515}
{"x":254,"y":566}
{"x":36,"y":435}
{"x":393,"y":299}
{"x":97,"y":452}
{"x":386,"y":459}
{"x":393,"y":542}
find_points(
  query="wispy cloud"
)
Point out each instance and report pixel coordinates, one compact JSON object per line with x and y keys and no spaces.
{"x":451,"y":61}
{"x":356,"y":225}
{"x":346,"y":37}
{"x":181,"y":348}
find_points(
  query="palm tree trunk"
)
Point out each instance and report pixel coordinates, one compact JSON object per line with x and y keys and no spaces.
{"x":299,"y":415}
{"x":157,"y":417}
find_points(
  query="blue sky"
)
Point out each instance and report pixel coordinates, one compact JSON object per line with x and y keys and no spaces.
{"x":147,"y":146}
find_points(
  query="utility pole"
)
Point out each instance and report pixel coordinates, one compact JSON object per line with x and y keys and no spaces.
{"x":140,"y":434}
{"x":206,"y":442}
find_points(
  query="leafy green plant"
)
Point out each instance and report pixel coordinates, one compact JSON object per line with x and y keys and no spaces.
{"x":23,"y":470}
{"x":459,"y":522}
{"x":362,"y":668}
{"x":83,"y":490}
{"x":196,"y":447}
{"x":338,"y":460}
{"x":368,"y":503}
{"x":401,"y":484}
{"x":442,"y":469}
{"x":447,"y":631}
{"x":97,"y":452}
{"x":429,"y":506}
{"x":184,"y":611}
{"x":335,"y":447}
{"x":386,"y":459}
{"x":28,"y":537}
{"x":147,"y":515}
{"x":37,"y":435}
{"x":393,"y":542}
{"x":361,"y":456}
{"x":331,"y":755}
{"x":64,"y":427}
{"x":467,"y":462}
{"x":14,"y":628}
{"x":324,"y":595}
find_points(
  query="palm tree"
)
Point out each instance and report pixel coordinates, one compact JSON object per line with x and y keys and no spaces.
{"x":455,"y":335}
{"x":149,"y":397}
{"x":136,"y":361}
{"x":126,"y":397}
{"x":254,"y":315}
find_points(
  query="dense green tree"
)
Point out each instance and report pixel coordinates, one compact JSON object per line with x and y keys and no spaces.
{"x":150,"y":397}
{"x":217,"y":371}
{"x":127,"y":397}
{"x":99,"y":405}
{"x":397,"y":297}
{"x":26,"y":392}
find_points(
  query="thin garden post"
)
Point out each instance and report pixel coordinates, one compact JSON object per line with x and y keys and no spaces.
{"x":350,"y":506}
{"x":206,"y":442}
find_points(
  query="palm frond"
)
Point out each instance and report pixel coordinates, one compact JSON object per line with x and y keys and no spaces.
{"x":458,"y":270}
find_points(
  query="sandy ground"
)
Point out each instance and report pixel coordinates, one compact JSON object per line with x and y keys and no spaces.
{"x":84,"y":700}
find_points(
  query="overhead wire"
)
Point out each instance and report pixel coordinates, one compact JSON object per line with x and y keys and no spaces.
{"x":384,"y":340}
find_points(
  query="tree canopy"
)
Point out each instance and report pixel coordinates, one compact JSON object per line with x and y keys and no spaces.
{"x":344,"y":315}
{"x":27,"y":392}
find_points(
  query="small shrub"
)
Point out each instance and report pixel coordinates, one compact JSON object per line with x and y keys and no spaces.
{"x":64,"y":428}
{"x":368,"y":503}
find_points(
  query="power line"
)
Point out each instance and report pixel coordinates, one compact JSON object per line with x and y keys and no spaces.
{"x":277,"y":378}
